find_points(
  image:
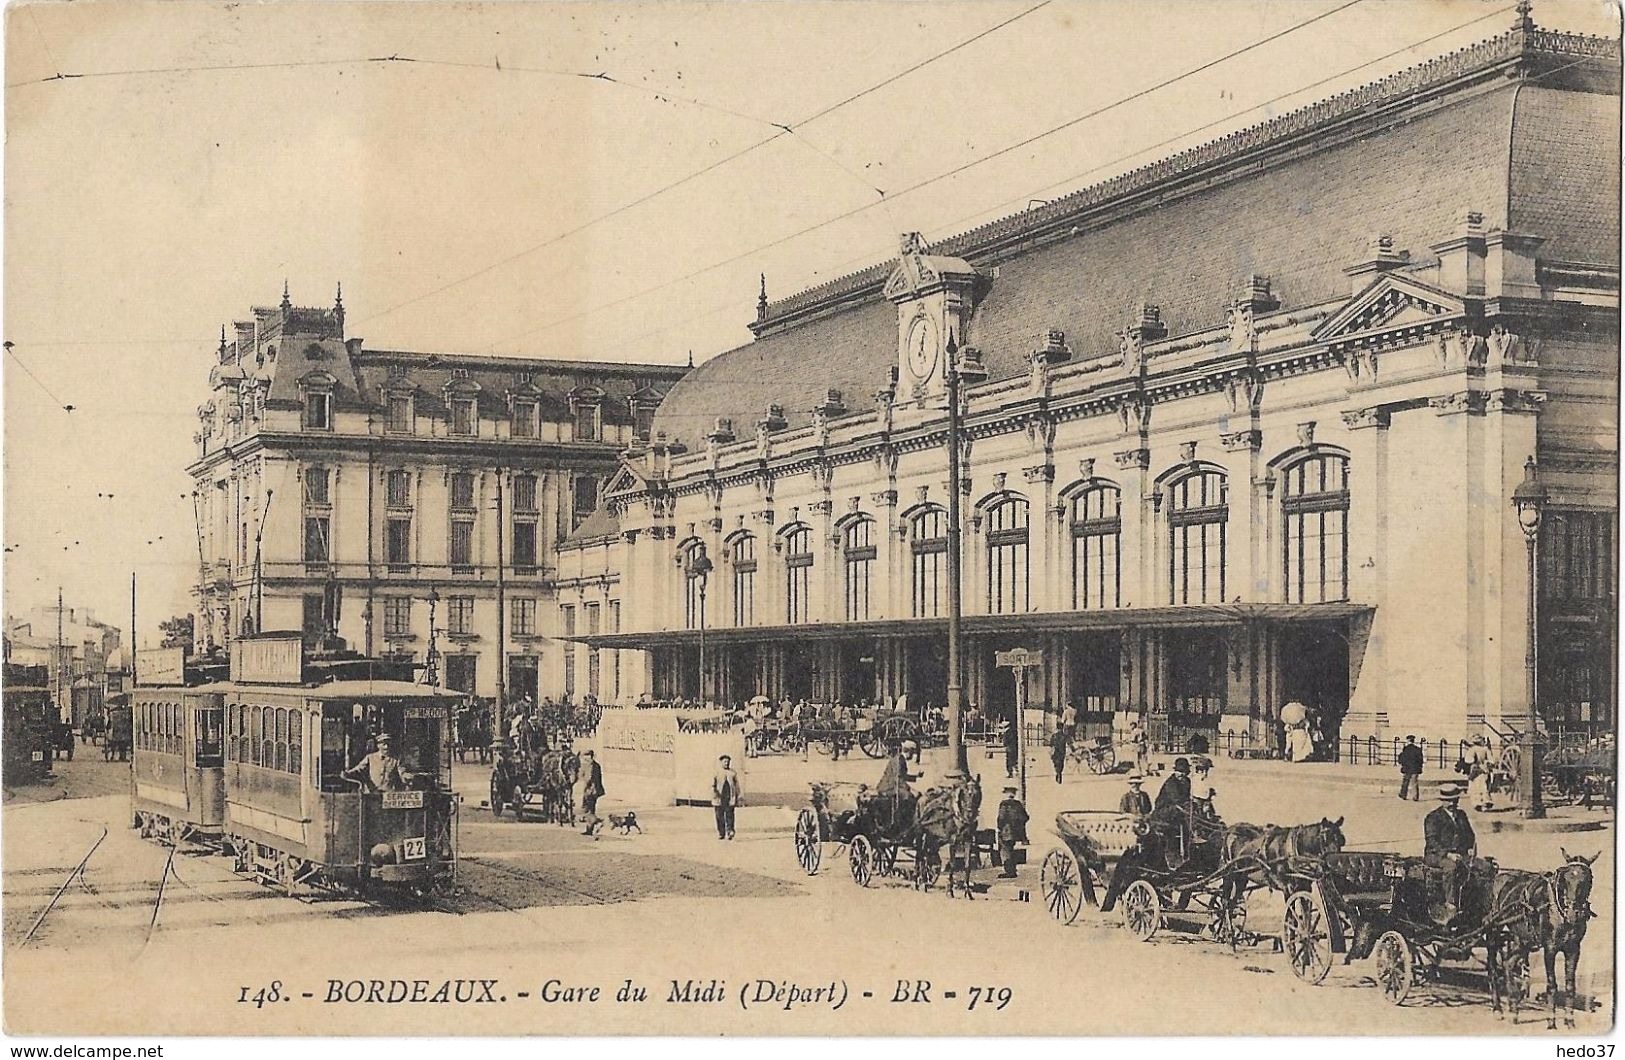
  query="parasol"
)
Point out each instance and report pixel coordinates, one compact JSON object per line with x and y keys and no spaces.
{"x":1294,"y":713}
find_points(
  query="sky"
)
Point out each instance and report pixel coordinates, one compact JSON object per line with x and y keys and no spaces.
{"x":580,"y":180}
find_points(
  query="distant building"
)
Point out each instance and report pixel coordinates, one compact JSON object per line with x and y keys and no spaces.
{"x":1253,"y":420}
{"x":79,"y":665}
{"x":338,"y":488}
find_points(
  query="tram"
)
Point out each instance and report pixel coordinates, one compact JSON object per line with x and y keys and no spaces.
{"x":177,"y":774}
{"x":301,"y":808}
{"x":29,"y":712}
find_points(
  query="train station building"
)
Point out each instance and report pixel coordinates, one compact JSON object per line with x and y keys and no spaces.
{"x":1252,"y":421}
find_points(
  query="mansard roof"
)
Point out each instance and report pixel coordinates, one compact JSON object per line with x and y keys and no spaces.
{"x":1296,"y":198}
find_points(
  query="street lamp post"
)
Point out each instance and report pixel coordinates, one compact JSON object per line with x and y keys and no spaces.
{"x":954,"y":375}
{"x":699,"y":566}
{"x":431,"y":665}
{"x":1530,"y":501}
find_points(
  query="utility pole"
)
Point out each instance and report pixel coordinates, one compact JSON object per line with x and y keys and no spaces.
{"x":132,"y":629}
{"x":956,"y":704}
{"x":201,"y":636}
{"x":502,"y":618}
{"x":372,"y":531}
{"x":61,"y":659}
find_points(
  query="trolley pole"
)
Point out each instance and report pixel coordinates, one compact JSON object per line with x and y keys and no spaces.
{"x":132,"y":631}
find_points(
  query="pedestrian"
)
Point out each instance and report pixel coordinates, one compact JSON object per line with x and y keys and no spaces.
{"x":1069,"y":721}
{"x":1057,"y":752}
{"x":1140,"y":743}
{"x":1012,"y":830}
{"x":1478,"y":774}
{"x":1410,"y":770}
{"x":725,"y":795}
{"x":592,"y":789}
{"x":1012,"y":748}
{"x":1135,"y":801}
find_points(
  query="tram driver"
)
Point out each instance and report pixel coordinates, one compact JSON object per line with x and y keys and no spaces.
{"x":380,"y":770}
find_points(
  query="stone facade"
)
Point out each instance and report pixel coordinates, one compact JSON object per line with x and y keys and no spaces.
{"x":1289,"y":483}
{"x":337,"y":488}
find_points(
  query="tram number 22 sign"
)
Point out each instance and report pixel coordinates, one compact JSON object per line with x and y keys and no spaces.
{"x":413,"y":849}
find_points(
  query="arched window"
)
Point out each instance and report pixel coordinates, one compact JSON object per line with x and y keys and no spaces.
{"x":696,"y":573}
{"x":858,"y":552}
{"x":1315,"y":538}
{"x":798,"y":561}
{"x":1198,"y":510}
{"x":744,"y":572}
{"x":1097,"y":533}
{"x":1007,"y":557}
{"x":928,"y":540}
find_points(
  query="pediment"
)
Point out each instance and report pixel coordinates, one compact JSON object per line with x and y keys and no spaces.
{"x":626,"y":479}
{"x":1391,"y":303}
{"x":919,"y":274}
{"x":318,"y":379}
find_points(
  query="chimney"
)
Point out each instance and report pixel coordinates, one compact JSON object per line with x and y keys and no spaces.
{"x":723,"y":432}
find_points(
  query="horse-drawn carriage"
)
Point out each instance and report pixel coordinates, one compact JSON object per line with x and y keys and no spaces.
{"x":119,"y":740}
{"x":1095,"y":753}
{"x":1179,"y":867}
{"x":545,"y":781}
{"x":1390,"y":908}
{"x":892,"y":835}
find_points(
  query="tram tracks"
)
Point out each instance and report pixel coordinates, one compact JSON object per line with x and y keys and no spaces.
{"x":76,"y":873}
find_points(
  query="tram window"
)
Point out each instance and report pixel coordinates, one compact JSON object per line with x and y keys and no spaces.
{"x":336,"y":722}
{"x":267,"y":731}
{"x":209,"y":748}
{"x":254,"y":736}
{"x":242,"y":732}
{"x":279,"y":738}
{"x":296,"y":741}
{"x":164,"y":727}
{"x":423,"y":752}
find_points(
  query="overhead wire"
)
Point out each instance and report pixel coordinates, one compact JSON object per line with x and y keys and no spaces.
{"x":952,"y":172}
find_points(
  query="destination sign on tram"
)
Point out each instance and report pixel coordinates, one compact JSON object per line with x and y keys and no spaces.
{"x":403,"y":800}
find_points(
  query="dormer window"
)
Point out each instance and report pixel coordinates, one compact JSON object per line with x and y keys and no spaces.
{"x":525,"y":424}
{"x":586,"y":403}
{"x":318,"y":410}
{"x":400,"y":418}
{"x":586,"y":423}
{"x":463,"y":418}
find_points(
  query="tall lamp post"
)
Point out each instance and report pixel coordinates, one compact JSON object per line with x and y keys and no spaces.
{"x":431,"y":664}
{"x":955,"y":374}
{"x":1530,"y":501}
{"x":699,"y":567}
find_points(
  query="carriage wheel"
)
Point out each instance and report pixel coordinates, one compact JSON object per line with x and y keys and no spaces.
{"x":824,"y":745}
{"x":885,"y":859}
{"x":1515,"y":979}
{"x":1307,"y":937}
{"x":1103,"y":762}
{"x":1396,"y":967}
{"x":1142,"y":910}
{"x":860,"y":858}
{"x":1511,"y":759}
{"x":809,"y":847}
{"x":496,"y":798}
{"x":1060,"y":881}
{"x":869,"y":742}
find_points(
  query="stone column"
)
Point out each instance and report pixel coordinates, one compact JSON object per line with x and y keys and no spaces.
{"x":1369,"y":501}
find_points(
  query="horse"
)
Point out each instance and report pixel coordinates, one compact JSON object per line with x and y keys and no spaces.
{"x":1268,"y":846}
{"x":947,"y":817}
{"x":1272,"y":844}
{"x":556,"y":776}
{"x":1546,"y":911}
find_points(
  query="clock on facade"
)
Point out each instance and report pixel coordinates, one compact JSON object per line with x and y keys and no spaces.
{"x":922,"y":348}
